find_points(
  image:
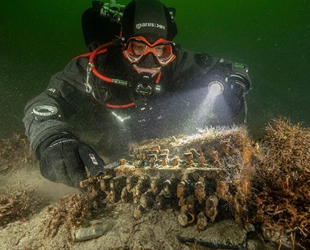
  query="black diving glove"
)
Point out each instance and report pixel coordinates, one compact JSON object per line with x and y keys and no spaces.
{"x":64,"y":160}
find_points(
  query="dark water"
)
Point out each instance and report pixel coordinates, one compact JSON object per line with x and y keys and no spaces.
{"x":38,"y":38}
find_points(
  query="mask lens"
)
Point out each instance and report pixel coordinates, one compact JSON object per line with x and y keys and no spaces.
{"x":135,"y":51}
{"x":164,"y":53}
{"x":138,"y":48}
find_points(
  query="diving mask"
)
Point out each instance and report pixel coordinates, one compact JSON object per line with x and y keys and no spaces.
{"x":138,"y":47}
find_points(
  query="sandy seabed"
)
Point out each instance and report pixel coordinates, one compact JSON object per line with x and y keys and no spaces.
{"x":33,"y":211}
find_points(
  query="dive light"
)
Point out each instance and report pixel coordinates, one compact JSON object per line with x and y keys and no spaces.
{"x":215,"y":88}
{"x":216,"y":83}
{"x":217,"y":78}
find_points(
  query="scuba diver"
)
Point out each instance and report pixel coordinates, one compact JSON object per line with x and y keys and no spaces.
{"x":137,"y":84}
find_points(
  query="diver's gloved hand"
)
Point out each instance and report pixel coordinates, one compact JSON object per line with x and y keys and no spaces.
{"x":64,"y":160}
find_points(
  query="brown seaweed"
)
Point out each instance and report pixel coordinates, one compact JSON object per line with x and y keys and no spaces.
{"x":282,"y":183}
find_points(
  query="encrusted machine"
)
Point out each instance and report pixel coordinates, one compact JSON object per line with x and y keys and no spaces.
{"x":204,"y":176}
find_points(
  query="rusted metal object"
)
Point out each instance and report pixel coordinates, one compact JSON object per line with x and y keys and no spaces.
{"x":191,"y":176}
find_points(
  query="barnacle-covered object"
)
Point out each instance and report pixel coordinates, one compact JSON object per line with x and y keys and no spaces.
{"x":198,"y":175}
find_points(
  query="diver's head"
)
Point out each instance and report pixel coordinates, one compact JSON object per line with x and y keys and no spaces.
{"x":148,"y":30}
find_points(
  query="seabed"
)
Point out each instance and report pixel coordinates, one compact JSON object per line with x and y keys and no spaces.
{"x":215,"y":181}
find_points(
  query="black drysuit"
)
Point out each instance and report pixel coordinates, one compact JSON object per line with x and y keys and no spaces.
{"x":179,"y":106}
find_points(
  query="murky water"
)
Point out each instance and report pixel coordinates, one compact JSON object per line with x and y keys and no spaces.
{"x":38,"y":38}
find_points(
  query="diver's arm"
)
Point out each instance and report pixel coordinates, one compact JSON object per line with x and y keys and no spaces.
{"x":200,"y":70}
{"x":64,"y":94}
{"x":190,"y":66}
{"x":195,"y":66}
{"x":236,"y":83}
{"x":62,"y":156}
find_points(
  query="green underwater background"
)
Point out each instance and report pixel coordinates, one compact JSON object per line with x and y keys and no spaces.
{"x":38,"y":38}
